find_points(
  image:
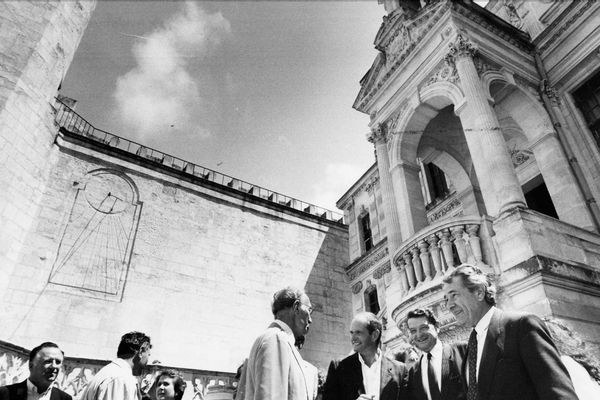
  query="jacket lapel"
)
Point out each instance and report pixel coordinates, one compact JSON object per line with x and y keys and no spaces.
{"x":419,"y":390}
{"x":491,"y":352}
{"x":386,"y":373}
{"x":356,"y":374}
{"x":446,"y":359}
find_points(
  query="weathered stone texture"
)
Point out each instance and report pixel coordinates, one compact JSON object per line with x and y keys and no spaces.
{"x":37,"y":42}
{"x":202,"y":272}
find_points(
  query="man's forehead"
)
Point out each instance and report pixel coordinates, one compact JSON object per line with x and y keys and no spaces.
{"x":49,"y":352}
{"x":417,"y":321}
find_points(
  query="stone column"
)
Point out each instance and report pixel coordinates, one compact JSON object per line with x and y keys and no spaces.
{"x":497,"y":178}
{"x":411,"y":207}
{"x":378,"y":137}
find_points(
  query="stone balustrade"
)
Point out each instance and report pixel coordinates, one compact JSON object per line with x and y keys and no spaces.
{"x":439,"y":247}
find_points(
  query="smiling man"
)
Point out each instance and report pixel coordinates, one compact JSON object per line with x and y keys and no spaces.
{"x":367,"y":374}
{"x":45,"y":362}
{"x":436,"y":376}
{"x":510,"y":355}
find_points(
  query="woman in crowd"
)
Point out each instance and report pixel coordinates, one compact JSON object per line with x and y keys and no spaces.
{"x":170,"y":385}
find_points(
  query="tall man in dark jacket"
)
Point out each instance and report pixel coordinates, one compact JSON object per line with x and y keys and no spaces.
{"x":45,"y":362}
{"x":510,"y":355}
{"x":436,"y":375}
{"x":367,"y":374}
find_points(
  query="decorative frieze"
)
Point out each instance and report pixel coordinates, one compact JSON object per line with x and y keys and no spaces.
{"x":444,"y":210}
{"x":446,"y":73}
{"x":367,"y":263}
{"x":384,"y":269}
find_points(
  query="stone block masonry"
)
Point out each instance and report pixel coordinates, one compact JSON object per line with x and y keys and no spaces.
{"x":118,"y":246}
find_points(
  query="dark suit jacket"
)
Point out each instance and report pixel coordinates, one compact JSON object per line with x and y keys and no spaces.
{"x":520,"y":361}
{"x":18,"y":391}
{"x":453,"y":387}
{"x":345,"y":380}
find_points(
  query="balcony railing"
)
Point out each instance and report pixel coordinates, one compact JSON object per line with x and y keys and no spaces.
{"x":72,"y":123}
{"x":434,"y":250}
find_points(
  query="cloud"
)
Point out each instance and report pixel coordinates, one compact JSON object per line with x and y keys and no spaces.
{"x":336,"y":180}
{"x":161,"y":95}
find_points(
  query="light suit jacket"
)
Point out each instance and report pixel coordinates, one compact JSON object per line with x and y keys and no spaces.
{"x":275,"y":368}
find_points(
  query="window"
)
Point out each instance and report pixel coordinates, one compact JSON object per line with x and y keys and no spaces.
{"x":587,"y":98}
{"x":538,"y":198}
{"x":365,"y":231}
{"x":436,"y":183}
{"x":371,"y":300}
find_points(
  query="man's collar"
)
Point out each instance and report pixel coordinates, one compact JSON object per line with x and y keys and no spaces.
{"x":286,"y":328}
{"x":32,"y":388}
{"x":376,"y":360}
{"x":123,"y":364}
{"x":484,"y":322}
{"x":436,"y":351}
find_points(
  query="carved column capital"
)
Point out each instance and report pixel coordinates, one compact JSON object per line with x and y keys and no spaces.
{"x":462,"y":47}
{"x":378,"y":134}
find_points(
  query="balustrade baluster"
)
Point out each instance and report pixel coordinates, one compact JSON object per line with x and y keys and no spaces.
{"x":417,"y":264}
{"x":423,"y":247}
{"x":410,"y":270}
{"x":458,"y":233}
{"x":401,"y":266}
{"x":434,"y":252}
{"x":446,"y":246}
{"x":474,"y":241}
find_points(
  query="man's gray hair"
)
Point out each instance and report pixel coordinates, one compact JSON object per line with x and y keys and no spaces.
{"x":474,"y":278}
{"x":285,"y":298}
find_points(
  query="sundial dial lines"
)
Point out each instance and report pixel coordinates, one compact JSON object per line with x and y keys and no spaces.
{"x":95,"y":247}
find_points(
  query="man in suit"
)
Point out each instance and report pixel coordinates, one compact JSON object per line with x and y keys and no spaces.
{"x":510,"y":355}
{"x":436,"y":375}
{"x":117,"y":380}
{"x":367,"y":374}
{"x":275,"y":369}
{"x":45,"y":362}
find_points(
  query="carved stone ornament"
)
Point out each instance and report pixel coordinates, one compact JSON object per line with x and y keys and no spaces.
{"x":512,"y":14}
{"x":378,"y":134}
{"x":384,"y":269}
{"x":551,"y":93}
{"x":519,"y":157}
{"x":367,"y":264}
{"x":371,"y":184}
{"x":357,"y":287}
{"x":454,"y":204}
{"x":446,"y":73}
{"x":462,"y":47}
{"x":392,"y":122}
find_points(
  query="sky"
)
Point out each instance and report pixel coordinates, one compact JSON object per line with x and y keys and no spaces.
{"x":261,"y":91}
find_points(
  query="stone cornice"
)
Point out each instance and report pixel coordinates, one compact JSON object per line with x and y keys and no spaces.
{"x":364,"y":263}
{"x":560,"y":25}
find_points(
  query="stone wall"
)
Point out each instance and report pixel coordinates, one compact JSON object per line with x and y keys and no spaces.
{"x":120,"y":244}
{"x":37,"y":42}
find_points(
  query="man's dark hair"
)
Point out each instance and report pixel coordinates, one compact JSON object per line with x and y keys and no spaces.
{"x":423,"y":313}
{"x":178,"y":381}
{"x":44,"y":345}
{"x":132,"y":343}
{"x":285,"y":298}
{"x":474,"y":278}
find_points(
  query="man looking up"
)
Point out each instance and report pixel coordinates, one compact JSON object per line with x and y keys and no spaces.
{"x":436,"y":375}
{"x":117,"y":380}
{"x":366,"y":374}
{"x":275,"y":367}
{"x":45,"y":362}
{"x":510,"y":355}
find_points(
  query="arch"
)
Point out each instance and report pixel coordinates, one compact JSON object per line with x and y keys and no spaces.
{"x":422,"y":108}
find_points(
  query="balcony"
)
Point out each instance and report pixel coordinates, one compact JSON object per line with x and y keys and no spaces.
{"x":430,"y":253}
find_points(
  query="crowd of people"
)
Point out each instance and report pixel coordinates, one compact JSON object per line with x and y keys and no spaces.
{"x":508,"y":356}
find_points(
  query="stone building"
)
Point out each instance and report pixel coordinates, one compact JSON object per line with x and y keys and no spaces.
{"x":100,"y":235}
{"x":485,"y":124}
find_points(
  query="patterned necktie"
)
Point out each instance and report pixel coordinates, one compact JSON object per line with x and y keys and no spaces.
{"x":472,"y":360}
{"x":434,"y":389}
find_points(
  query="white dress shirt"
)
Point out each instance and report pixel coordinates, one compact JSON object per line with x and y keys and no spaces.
{"x":372,"y":375}
{"x":32,"y":392}
{"x":481,"y":328}
{"x":113,"y":382}
{"x":436,"y":359}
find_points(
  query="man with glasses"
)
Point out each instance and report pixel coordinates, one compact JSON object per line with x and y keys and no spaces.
{"x":275,"y":367}
{"x":117,"y":380}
